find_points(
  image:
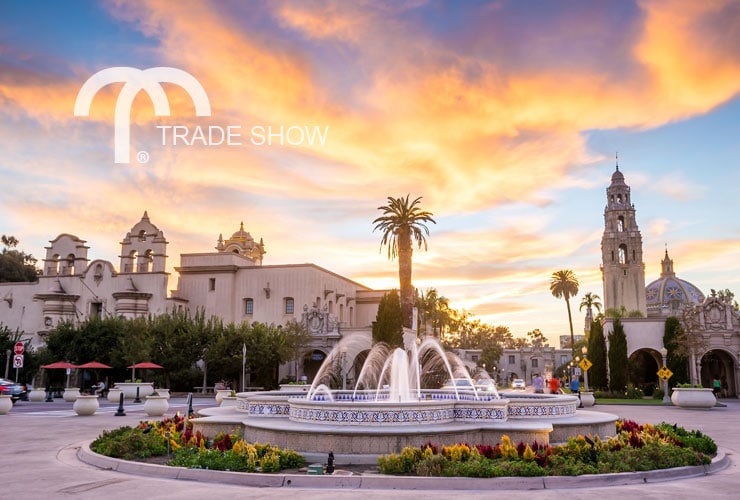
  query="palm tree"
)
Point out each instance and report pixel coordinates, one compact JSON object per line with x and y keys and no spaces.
{"x":564,"y":284}
{"x":589,"y":301}
{"x":401,"y":221}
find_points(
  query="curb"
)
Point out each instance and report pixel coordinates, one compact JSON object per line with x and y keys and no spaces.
{"x":382,"y":482}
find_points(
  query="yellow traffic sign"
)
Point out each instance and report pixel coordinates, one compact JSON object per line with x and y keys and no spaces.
{"x":664,"y":373}
{"x":585,"y":364}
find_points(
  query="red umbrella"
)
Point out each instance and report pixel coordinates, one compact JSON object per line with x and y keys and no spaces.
{"x":59,"y":364}
{"x":142,"y":365}
{"x":146,"y":364}
{"x":94,"y":365}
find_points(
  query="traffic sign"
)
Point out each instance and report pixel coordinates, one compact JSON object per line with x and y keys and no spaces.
{"x":18,"y":361}
{"x":585,"y":364}
{"x":664,"y":373}
{"x":19,"y":348}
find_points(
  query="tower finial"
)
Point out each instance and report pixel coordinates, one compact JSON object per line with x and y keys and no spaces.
{"x":241,"y":226}
{"x":616,"y":157}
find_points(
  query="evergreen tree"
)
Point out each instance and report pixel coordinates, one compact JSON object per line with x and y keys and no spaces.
{"x":597,"y":376}
{"x":676,"y":360}
{"x":388,"y":325}
{"x":15,"y":265}
{"x":617,"y":358}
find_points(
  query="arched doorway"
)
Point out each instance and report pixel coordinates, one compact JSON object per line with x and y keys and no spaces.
{"x":312,"y":362}
{"x":719,"y":364}
{"x":642,"y":370}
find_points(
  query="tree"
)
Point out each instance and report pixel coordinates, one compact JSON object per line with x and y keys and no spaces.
{"x":677,"y":359}
{"x":537,"y":338}
{"x":564,"y":284}
{"x":727,"y":296}
{"x":590,"y":301}
{"x":434,"y":312}
{"x":15,"y":265}
{"x":388,"y":324}
{"x":617,"y":358}
{"x":597,"y":376}
{"x":401,"y":222}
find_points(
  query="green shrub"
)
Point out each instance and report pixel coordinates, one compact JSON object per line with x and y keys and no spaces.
{"x":129,"y":443}
{"x":658,"y":394}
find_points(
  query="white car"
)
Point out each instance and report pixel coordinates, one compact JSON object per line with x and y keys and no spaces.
{"x":518,"y":383}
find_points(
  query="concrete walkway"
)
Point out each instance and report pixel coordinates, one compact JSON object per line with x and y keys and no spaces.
{"x":40,"y":442}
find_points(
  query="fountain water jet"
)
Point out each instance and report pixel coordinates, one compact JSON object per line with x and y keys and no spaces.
{"x":372,"y":419}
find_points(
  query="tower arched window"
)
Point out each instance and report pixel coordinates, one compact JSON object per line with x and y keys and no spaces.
{"x":622,"y":254}
{"x":69,"y":265}
{"x":142,"y":235}
{"x":620,"y":223}
{"x":619,"y":198}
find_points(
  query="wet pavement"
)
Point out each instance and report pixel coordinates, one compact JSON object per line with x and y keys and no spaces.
{"x":40,"y":442}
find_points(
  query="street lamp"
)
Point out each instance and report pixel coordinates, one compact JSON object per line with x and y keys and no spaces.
{"x":244,"y":367}
{"x":664,"y":356}
{"x":584,"y":350}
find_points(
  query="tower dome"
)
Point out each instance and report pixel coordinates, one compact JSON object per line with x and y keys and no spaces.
{"x":666,"y":295}
{"x":242,"y":243}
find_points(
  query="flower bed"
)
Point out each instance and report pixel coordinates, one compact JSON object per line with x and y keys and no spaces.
{"x":634,"y":448}
{"x":226,"y":451}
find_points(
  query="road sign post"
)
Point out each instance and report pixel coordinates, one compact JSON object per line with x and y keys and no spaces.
{"x":19,"y":348}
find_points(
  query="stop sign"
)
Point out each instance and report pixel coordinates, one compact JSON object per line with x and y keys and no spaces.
{"x":19,"y":348}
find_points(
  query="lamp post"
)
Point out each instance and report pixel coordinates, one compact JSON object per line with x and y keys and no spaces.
{"x":584,"y":350}
{"x":244,"y":366}
{"x":664,"y":356}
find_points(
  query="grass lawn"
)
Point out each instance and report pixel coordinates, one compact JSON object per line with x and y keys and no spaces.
{"x":614,"y":401}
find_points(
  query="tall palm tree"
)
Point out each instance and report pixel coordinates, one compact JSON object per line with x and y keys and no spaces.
{"x":564,"y":284}
{"x":401,"y":221}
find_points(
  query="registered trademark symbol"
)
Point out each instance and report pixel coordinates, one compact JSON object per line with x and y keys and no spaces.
{"x":142,"y":157}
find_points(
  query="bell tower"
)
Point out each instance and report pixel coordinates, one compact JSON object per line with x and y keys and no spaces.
{"x":622,"y":267}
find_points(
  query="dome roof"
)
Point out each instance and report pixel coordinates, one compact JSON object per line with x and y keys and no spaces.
{"x":670,"y":291}
{"x":617,"y":177}
{"x":241,"y":236}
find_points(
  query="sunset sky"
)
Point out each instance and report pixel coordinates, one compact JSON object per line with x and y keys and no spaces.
{"x":505,"y":116}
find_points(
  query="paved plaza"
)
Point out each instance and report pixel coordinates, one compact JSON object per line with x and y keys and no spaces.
{"x":40,"y":443}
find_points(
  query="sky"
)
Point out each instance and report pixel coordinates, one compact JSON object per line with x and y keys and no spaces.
{"x":505,"y":117}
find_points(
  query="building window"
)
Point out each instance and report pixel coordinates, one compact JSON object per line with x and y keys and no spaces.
{"x":474,"y":358}
{"x":535,"y":363}
{"x":512,"y":360}
{"x":211,"y":284}
{"x":620,"y":223}
{"x":96,"y":309}
{"x":289,"y":305}
{"x":248,"y":306}
{"x":622,"y":254}
{"x":563,"y":359}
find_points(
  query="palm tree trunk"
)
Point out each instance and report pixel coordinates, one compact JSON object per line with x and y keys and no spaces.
{"x":404,"y":275}
{"x":570,"y":322}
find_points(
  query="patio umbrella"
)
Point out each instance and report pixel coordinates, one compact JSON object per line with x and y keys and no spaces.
{"x":63,"y":365}
{"x":95,"y":365}
{"x":143,"y":365}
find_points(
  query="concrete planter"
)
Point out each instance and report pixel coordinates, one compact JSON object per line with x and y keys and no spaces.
{"x":156,"y":406}
{"x":86,"y":405}
{"x":163,"y":392}
{"x":220,"y":393}
{"x":6,"y":403}
{"x":37,"y":395}
{"x":129,"y":389}
{"x":114,"y":395}
{"x":587,"y":398}
{"x":685,"y":397}
{"x":71,"y":394}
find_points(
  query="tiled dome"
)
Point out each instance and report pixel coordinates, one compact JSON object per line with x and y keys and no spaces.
{"x":669,"y":291}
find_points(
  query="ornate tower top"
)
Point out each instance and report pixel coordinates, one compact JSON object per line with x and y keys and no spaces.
{"x":242,"y":243}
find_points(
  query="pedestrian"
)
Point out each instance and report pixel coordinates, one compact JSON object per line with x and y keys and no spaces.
{"x":554,"y":385}
{"x":725,"y":387}
{"x":575,"y":388}
{"x":716,"y":387}
{"x":538,"y":384}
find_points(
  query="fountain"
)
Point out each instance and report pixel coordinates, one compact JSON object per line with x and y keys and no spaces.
{"x":399,"y":400}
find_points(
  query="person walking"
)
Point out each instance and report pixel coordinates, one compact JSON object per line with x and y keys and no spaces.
{"x":575,"y":388}
{"x":716,"y":387}
{"x":554,"y":385}
{"x":538,"y":384}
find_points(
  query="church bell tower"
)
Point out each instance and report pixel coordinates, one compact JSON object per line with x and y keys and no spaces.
{"x":622,"y":268}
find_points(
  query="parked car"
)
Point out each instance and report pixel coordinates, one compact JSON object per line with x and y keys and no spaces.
{"x":15,"y":390}
{"x":518,"y":383}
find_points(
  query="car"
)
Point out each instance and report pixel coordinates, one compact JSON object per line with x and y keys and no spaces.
{"x":518,"y":383}
{"x":464,"y":383}
{"x":15,"y":390}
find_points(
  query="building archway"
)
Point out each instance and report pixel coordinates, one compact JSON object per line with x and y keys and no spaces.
{"x":718,"y":363}
{"x":312,"y":362}
{"x":642,"y":370}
